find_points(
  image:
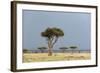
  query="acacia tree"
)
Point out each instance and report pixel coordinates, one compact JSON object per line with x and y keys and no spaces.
{"x":42,"y":49}
{"x":63,"y":49}
{"x":52,"y":35}
{"x":73,"y":48}
{"x":25,"y":50}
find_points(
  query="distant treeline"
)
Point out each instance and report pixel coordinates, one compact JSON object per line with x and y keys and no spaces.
{"x":55,"y":51}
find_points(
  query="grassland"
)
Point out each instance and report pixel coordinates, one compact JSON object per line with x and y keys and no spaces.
{"x":43,"y":57}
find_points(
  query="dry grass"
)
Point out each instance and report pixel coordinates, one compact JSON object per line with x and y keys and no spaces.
{"x":40,"y":57}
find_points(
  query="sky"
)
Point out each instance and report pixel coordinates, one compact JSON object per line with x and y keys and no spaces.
{"x":75,"y":25}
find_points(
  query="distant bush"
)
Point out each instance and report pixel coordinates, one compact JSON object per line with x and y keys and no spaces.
{"x":25,"y":50}
{"x":42,"y":49}
{"x":63,"y":49}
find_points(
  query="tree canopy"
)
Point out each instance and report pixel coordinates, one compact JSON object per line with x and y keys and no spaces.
{"x":52,"y":32}
{"x":63,"y":48}
{"x":73,"y":47}
{"x":42,"y":48}
{"x":25,"y":50}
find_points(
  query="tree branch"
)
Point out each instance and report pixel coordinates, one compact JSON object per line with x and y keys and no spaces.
{"x":54,"y":41}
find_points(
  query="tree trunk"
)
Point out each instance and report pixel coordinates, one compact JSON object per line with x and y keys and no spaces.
{"x":49,"y":52}
{"x":49,"y":48}
{"x":79,"y":51}
{"x":72,"y":51}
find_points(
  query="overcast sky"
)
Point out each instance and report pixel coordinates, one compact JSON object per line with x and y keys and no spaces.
{"x":76,"y":27}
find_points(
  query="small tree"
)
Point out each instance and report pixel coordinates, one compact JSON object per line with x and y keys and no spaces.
{"x":52,"y":35}
{"x":25,"y":50}
{"x":42,"y":49}
{"x":73,"y":48}
{"x":63,"y":49}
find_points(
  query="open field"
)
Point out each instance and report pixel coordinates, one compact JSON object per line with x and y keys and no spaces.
{"x":42,"y":57}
